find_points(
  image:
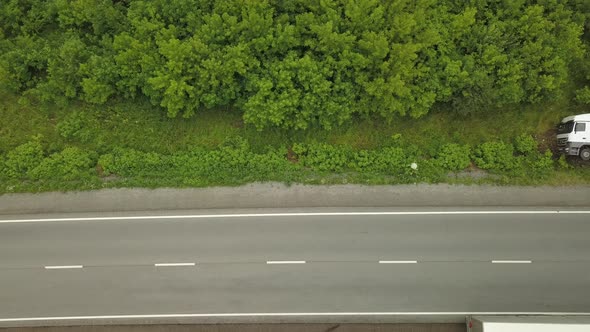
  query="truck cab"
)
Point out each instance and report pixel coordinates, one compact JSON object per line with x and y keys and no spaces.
{"x":573,"y":136}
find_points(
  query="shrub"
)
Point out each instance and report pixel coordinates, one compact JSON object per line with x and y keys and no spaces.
{"x":390,"y":160}
{"x":69,"y":164}
{"x":271,"y":165}
{"x":525,"y":144}
{"x":562,"y":162}
{"x":224,"y":163}
{"x":497,"y":156}
{"x":583,"y":95}
{"x":190,"y":163}
{"x":454,"y":157}
{"x":106,"y":163}
{"x":76,"y":125}
{"x":362,"y":161}
{"x":323,"y":157}
{"x":235,"y":163}
{"x":23,"y":158}
{"x":236,"y":142}
{"x":543,"y":165}
{"x":299,"y":149}
{"x":133,"y":163}
{"x":231,"y":163}
{"x":3,"y":167}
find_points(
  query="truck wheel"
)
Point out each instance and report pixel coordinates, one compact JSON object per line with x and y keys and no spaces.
{"x":585,"y":153}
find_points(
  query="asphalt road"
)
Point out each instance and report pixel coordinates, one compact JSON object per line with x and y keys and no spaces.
{"x":438,"y":263}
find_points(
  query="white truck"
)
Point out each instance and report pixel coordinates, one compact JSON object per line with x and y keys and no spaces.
{"x":555,"y":323}
{"x":573,"y":136}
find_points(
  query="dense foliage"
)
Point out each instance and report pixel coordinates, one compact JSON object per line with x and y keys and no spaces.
{"x":30,"y":167}
{"x":293,"y":64}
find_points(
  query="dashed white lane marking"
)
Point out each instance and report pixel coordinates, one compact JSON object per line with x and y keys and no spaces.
{"x":58,"y":267}
{"x":174,"y":264}
{"x":398,"y":262}
{"x":300,"y":214}
{"x":512,"y":262}
{"x":285,"y":262}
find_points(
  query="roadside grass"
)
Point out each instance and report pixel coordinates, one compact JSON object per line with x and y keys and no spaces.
{"x":18,"y":124}
{"x":140,"y":126}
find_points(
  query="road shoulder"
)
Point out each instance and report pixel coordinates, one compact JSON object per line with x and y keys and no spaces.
{"x":274,"y":195}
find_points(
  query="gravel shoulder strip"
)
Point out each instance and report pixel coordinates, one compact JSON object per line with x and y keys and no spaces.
{"x":274,"y":195}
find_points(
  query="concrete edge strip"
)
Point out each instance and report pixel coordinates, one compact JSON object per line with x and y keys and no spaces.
{"x":295,"y":214}
{"x":291,"y":314}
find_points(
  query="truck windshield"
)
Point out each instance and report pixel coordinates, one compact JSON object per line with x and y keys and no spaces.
{"x":564,"y":128}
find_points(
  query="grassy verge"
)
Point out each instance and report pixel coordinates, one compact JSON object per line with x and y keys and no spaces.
{"x":146,"y":149}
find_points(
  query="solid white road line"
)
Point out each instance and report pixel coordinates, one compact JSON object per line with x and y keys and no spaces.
{"x":174,"y":264}
{"x":398,"y":262}
{"x":512,"y":262}
{"x":57,"y":267}
{"x":285,"y":262}
{"x":296,"y":214}
{"x":293,"y":314}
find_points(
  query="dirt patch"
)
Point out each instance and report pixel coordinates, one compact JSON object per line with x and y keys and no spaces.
{"x":99,"y":170}
{"x":547,"y":141}
{"x":576,"y":161}
{"x":110,"y":178}
{"x":105,"y":178}
{"x":239,"y":124}
{"x":291,"y":156}
{"x":473,"y":172}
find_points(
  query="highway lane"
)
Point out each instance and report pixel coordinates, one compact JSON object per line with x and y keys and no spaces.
{"x":453,"y":270}
{"x":328,"y":287}
{"x":314,"y":238}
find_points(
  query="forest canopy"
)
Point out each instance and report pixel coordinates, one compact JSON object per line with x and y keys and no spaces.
{"x":297,"y":63}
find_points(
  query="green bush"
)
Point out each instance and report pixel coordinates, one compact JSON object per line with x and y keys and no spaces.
{"x":76,"y":125}
{"x":562,"y":162}
{"x":454,"y":157}
{"x":3,"y":167}
{"x":68,"y":165}
{"x":543,"y":165}
{"x":221,"y":164}
{"x":133,"y":163}
{"x":294,"y":64}
{"x":583,"y":95}
{"x":232,"y":163}
{"x":362,"y":161}
{"x":105,"y":163}
{"x":525,"y":144}
{"x":272,"y":165}
{"x":240,"y":164}
{"x":23,"y":158}
{"x":390,"y":160}
{"x":497,"y":156}
{"x":323,"y":157}
{"x":189,"y":164}
{"x":235,"y":163}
